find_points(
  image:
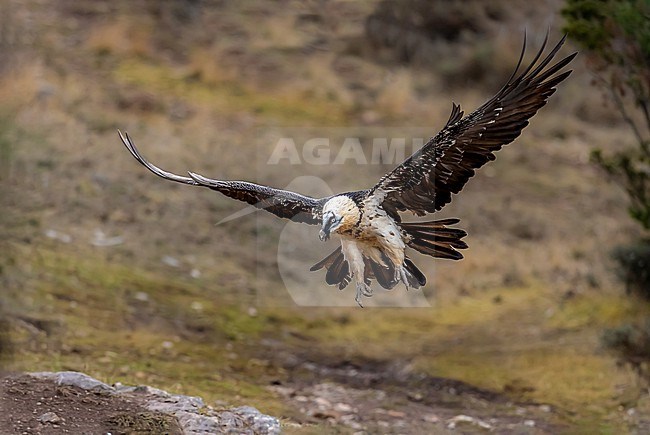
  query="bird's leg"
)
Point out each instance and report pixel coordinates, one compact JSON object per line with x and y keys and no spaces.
{"x":403,"y":277}
{"x":397,"y":258}
{"x":354,"y":256}
{"x":363,"y":289}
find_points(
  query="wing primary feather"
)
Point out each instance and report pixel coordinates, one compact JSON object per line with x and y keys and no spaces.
{"x":128,"y":143}
{"x":282,"y":203}
{"x":521,"y":58}
{"x":546,"y":60}
{"x":426,"y":181}
{"x":537,"y":56}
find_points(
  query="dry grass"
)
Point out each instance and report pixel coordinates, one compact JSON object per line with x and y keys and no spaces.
{"x":210,"y":66}
{"x":123,"y":36}
{"x":322,"y":82}
{"x":21,"y":86}
{"x":279,"y":32}
{"x":397,"y":95}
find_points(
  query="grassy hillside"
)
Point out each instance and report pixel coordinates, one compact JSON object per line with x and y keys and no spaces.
{"x":108,"y":270}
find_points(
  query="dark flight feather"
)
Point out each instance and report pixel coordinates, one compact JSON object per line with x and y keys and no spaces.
{"x":425,"y":182}
{"x":282,"y":203}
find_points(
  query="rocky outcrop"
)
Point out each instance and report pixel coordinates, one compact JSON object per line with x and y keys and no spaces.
{"x":192,"y":414}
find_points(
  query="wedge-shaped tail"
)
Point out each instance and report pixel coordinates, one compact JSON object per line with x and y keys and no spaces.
{"x":434,"y":238}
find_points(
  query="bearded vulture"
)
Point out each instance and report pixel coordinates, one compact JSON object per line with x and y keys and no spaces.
{"x":373,"y":237}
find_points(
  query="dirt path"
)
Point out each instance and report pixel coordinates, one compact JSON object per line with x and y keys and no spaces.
{"x":372,"y":397}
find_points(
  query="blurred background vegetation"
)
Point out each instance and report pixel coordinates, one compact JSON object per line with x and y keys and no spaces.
{"x":615,"y":36}
{"x":106,"y":269}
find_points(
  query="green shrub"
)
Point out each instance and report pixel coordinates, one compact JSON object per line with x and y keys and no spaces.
{"x":615,"y":35}
{"x":634,"y":267}
{"x":632,"y":344}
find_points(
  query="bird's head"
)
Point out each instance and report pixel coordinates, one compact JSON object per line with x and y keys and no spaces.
{"x":339,"y":213}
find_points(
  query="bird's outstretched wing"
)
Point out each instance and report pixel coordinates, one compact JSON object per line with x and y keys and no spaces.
{"x":282,"y":203}
{"x":424,"y":182}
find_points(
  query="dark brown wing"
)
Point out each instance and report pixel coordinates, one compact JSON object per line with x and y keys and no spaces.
{"x":424,"y":182}
{"x":282,"y":203}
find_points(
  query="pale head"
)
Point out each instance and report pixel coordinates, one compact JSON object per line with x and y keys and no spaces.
{"x":339,"y":214}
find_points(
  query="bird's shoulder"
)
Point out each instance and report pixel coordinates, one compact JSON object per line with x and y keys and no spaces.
{"x":358,"y":196}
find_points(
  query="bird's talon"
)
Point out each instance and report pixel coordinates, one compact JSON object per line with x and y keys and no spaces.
{"x":400,"y":275}
{"x":362,"y":290}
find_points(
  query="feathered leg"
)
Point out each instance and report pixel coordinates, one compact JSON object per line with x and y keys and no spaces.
{"x":354,"y":257}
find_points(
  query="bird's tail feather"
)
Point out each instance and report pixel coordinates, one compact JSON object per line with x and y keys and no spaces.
{"x":338,"y":271}
{"x":434,"y":238}
{"x":415,"y":277}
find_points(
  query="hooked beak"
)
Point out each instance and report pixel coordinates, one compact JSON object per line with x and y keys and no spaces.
{"x":323,"y":234}
{"x":328,"y":222}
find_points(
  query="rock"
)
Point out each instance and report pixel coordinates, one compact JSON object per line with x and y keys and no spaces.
{"x":256,"y":421}
{"x":430,"y":418}
{"x":170,"y":261}
{"x":453,"y":422}
{"x":101,"y":240}
{"x":191,"y":412}
{"x":57,"y":235}
{"x":343,"y":407}
{"x":545,"y":408}
{"x":322,"y":402}
{"x":141,"y":296}
{"x":76,"y":379}
{"x":50,"y":417}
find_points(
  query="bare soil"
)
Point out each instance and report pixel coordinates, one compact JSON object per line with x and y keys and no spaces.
{"x":343,"y":397}
{"x":376,"y":397}
{"x":35,"y":406}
